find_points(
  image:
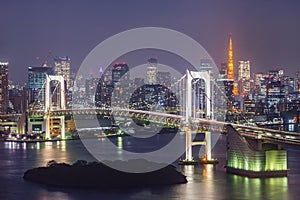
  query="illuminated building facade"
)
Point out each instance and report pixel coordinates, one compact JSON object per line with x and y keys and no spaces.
{"x":223,"y":71}
{"x":152,"y":71}
{"x":153,"y":97}
{"x":3,"y":87}
{"x":103,"y":94}
{"x":36,"y":84}
{"x":297,"y":82}
{"x":120,"y":73}
{"x":257,"y":80}
{"x":111,"y":90}
{"x":164,"y":78}
{"x":90,"y":89}
{"x":244,"y":78}
{"x":275,"y":96}
{"x":62,"y":68}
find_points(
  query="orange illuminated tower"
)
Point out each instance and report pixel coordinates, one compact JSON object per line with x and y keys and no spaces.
{"x":230,"y":71}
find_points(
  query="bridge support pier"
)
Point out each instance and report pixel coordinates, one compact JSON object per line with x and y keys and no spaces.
{"x":188,"y":140}
{"x":47,"y":127}
{"x":208,"y":145}
{"x":207,"y":159}
{"x":63,"y":131}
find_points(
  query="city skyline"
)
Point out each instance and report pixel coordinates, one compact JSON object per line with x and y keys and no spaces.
{"x":154,"y":99}
{"x":266,"y":35}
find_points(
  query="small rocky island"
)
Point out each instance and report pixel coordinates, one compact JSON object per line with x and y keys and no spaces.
{"x":97,"y":175}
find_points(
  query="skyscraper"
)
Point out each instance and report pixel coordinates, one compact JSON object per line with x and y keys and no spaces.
{"x":297,"y":81}
{"x":244,"y":77}
{"x":3,"y":87}
{"x":223,"y":70}
{"x":62,"y":67}
{"x":36,"y":84}
{"x":90,"y":89}
{"x":206,"y":64}
{"x":164,"y":78}
{"x":152,"y":71}
{"x":120,"y":73}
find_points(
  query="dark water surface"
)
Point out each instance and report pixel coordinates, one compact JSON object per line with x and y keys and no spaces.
{"x":204,"y":181}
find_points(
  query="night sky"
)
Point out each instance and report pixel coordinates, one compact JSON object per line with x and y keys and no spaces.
{"x":266,"y":32}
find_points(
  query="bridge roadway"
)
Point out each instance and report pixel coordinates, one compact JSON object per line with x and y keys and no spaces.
{"x":179,"y":121}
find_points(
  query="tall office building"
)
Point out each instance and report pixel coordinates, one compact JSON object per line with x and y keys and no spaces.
{"x":244,"y":78}
{"x":36,"y":84}
{"x":120,"y":73}
{"x":3,"y":87}
{"x":275,"y":96}
{"x":152,"y":71}
{"x":223,"y":94}
{"x":206,"y":64}
{"x":90,"y":89}
{"x":297,"y":81}
{"x":164,"y":78}
{"x":289,"y":84}
{"x":257,"y":79}
{"x":62,"y":67}
{"x":223,"y":70}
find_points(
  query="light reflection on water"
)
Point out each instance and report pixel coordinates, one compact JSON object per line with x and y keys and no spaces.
{"x":204,"y":181}
{"x":277,"y":188}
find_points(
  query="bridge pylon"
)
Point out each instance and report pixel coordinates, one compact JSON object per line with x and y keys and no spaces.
{"x":48,"y":104}
{"x":205,"y":75}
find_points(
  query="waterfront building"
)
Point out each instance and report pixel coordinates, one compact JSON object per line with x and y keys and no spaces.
{"x":17,"y":99}
{"x":3,"y":87}
{"x":36,"y":85}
